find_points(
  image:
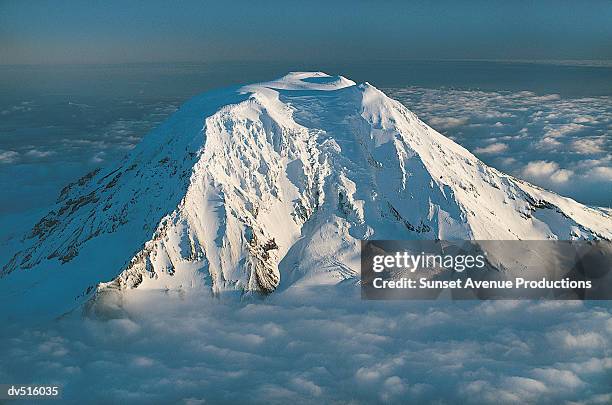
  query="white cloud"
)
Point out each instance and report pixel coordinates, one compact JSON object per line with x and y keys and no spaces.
{"x":593,"y":365}
{"x":495,"y":308}
{"x":587,"y":341}
{"x":493,"y":114}
{"x":589,"y":145}
{"x":509,"y":390}
{"x":585,"y":119}
{"x":8,"y":156}
{"x":562,"y":379}
{"x":561,"y":176}
{"x":98,"y":157}
{"x":543,"y":170}
{"x":24,"y":106}
{"x":143,"y":361}
{"x":599,"y":399}
{"x":493,"y":148}
{"x":35,"y":153}
{"x":507,"y":161}
{"x":563,"y":129}
{"x":603,"y":173}
{"x":447,"y":122}
{"x":526,"y":389}
{"x":393,"y":387}
{"x":548,"y":143}
{"x":301,"y":384}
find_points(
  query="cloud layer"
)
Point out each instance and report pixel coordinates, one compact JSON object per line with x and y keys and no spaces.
{"x":52,"y":141}
{"x":320,"y":346}
{"x":560,"y":143}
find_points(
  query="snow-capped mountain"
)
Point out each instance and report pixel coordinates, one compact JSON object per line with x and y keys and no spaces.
{"x":263,"y":186}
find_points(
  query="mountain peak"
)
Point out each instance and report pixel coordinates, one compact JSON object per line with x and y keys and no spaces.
{"x":273,"y":185}
{"x":305,"y":81}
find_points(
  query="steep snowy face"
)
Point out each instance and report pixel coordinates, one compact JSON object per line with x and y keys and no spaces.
{"x":270,"y":185}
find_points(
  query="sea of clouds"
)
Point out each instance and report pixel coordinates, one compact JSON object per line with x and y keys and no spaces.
{"x":560,"y":143}
{"x":319,"y":346}
{"x":327,"y":345}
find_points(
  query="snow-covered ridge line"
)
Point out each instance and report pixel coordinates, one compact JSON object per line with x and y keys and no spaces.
{"x":269,"y":186}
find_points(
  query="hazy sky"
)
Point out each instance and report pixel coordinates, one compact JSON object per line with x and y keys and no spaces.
{"x":114,"y":31}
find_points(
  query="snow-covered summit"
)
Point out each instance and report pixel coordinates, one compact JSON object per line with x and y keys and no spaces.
{"x":269,"y":185}
{"x":304,"y":81}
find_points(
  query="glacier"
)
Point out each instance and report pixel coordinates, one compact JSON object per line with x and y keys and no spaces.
{"x":267,"y":187}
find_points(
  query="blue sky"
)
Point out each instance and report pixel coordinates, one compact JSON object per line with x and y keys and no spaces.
{"x":64,"y":31}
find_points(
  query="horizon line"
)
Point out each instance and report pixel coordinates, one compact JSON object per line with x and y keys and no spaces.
{"x":559,"y":62}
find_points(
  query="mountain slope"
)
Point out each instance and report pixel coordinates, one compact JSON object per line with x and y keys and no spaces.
{"x":273,"y":184}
